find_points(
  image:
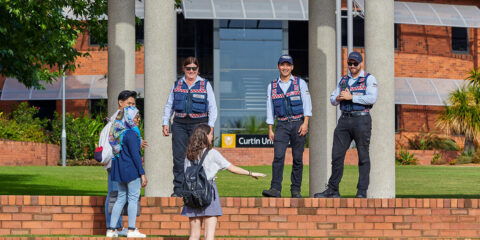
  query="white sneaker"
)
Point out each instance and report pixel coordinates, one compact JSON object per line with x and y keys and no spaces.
{"x":123,"y":233}
{"x":111,"y":233}
{"x":136,"y":234}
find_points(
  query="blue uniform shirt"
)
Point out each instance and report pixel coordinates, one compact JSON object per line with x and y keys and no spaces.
{"x":212,"y":105}
{"x":307,"y":102}
{"x":371,"y":93}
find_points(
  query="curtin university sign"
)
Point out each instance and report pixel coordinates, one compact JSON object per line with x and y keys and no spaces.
{"x":244,"y":140}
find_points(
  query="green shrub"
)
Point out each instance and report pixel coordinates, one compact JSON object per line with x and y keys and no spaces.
{"x":405,"y":158}
{"x":429,"y":141}
{"x":476,"y":157}
{"x":21,"y":125}
{"x":464,"y":158}
{"x":437,"y":159}
{"x":82,"y":135}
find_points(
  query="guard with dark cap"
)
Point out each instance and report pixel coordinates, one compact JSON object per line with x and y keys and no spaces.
{"x":356,"y":93}
{"x":289,"y":102}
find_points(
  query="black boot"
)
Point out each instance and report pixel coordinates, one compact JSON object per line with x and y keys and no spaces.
{"x":361,"y":194}
{"x":296,"y":194}
{"x":329,"y":193}
{"x":271,"y":193}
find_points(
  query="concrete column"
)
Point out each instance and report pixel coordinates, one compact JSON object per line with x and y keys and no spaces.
{"x":160,"y":74}
{"x":121,"y":50}
{"x":322,"y":81}
{"x":379,"y":59}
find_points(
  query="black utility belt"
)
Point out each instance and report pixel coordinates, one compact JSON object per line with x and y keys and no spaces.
{"x":355,"y":114}
{"x":188,"y":120}
{"x":290,"y":120}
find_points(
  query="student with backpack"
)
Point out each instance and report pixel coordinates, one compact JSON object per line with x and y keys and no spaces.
{"x":103,"y":153}
{"x":199,"y":150}
{"x":127,"y":168}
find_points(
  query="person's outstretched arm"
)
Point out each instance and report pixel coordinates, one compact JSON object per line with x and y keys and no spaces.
{"x":237,"y":170}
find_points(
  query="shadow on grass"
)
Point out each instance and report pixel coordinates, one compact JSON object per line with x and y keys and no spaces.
{"x":24,"y":184}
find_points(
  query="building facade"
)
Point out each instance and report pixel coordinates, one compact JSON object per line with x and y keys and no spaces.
{"x":426,"y":57}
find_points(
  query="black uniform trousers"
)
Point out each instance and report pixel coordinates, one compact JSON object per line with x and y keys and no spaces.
{"x":181,"y":132}
{"x":286,"y":132}
{"x":350,"y":128}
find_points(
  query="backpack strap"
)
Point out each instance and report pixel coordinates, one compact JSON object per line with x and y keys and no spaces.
{"x":201,"y":162}
{"x":203,"y":156}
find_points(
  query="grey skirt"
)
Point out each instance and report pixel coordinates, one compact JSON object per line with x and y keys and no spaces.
{"x":214,"y":209}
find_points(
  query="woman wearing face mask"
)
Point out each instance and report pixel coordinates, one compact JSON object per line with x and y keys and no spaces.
{"x":192,"y":102}
{"x":127,"y":168}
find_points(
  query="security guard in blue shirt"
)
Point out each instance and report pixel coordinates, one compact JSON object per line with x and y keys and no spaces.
{"x":356,"y":93}
{"x":289,"y":102}
{"x":191,"y":101}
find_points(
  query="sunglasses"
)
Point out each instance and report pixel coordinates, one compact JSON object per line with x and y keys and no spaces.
{"x":191,"y":68}
{"x":353,"y":63}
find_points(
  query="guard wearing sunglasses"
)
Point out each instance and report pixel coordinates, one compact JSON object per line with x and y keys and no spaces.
{"x":356,"y":93}
{"x":289,"y":102}
{"x":191,"y":101}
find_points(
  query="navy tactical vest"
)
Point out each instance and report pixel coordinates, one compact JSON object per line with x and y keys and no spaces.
{"x":358,"y":88}
{"x":287,"y":105}
{"x":192,"y":102}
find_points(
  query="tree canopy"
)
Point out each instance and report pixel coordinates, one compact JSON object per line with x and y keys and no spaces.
{"x":37,"y":38}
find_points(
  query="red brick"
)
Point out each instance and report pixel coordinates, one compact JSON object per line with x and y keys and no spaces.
{"x":31,"y":224}
{"x":31,"y":209}
{"x":239,"y":218}
{"x":73,"y":224}
{"x":22,"y":216}
{"x":248,"y":225}
{"x":10,"y":209}
{"x":346,"y":211}
{"x":20,"y":231}
{"x":326,"y":211}
{"x":170,"y":225}
{"x":403,"y":211}
{"x":374,"y":219}
{"x":326,"y":225}
{"x":5,"y":216}
{"x":11,"y":224}
{"x":48,"y":209}
{"x":383,"y":226}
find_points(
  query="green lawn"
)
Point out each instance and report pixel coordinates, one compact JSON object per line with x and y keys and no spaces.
{"x":411,"y":181}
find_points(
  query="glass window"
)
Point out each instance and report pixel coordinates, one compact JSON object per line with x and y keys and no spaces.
{"x":459,"y":39}
{"x":298,"y":47}
{"x":139,"y":31}
{"x":46,"y":108}
{"x":358,"y":30}
{"x":396,"y":29}
{"x":195,"y":38}
{"x":248,"y":63}
{"x":397,"y":117}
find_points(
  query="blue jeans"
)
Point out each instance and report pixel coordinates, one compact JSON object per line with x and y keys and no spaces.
{"x":133,"y":190}
{"x":112,"y":186}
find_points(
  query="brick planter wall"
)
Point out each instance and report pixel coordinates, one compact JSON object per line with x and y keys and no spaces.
{"x":348,"y":217}
{"x":13,"y":153}
{"x":424,"y":157}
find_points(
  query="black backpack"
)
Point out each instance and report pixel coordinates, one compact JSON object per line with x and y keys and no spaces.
{"x":197,"y":190}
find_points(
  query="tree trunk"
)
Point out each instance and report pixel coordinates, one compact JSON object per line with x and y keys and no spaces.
{"x":469,"y":147}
